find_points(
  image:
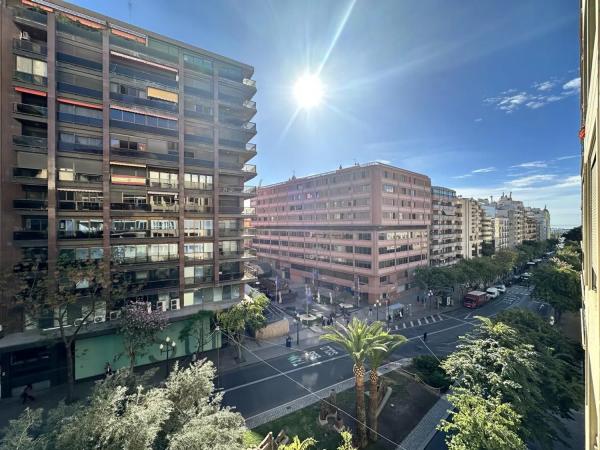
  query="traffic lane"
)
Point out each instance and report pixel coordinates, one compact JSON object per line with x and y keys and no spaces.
{"x":293,"y":360}
{"x":267,"y":394}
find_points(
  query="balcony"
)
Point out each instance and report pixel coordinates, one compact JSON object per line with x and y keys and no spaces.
{"x":139,"y":48}
{"x":249,"y":104}
{"x":142,"y":259}
{"x":193,"y":207}
{"x":78,"y":90}
{"x":238,"y":190}
{"x":249,"y":169}
{"x":227,"y":232}
{"x":30,"y":235}
{"x":30,"y":141}
{"x":198,"y":186}
{"x":30,"y":204}
{"x":250,"y":127}
{"x":191,"y":281}
{"x":197,"y":257}
{"x":30,"y":78}
{"x":30,"y":110}
{"x":79,"y":205}
{"x":74,"y":234}
{"x":140,"y":75}
{"x":233,"y":276}
{"x":142,"y":154}
{"x":235,"y":210}
{"x":249,"y":82}
{"x":81,"y":120}
{"x":30,"y":176}
{"x":79,"y":148}
{"x":164,"y":207}
{"x":25,"y":15}
{"x":77,"y":31}
{"x":79,"y":61}
{"x":157,"y":104}
{"x":246,"y":253}
{"x":130,"y":206}
{"x":35,"y":48}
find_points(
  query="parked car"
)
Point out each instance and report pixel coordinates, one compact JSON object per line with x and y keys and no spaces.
{"x":492,"y":292}
{"x":501,"y":288}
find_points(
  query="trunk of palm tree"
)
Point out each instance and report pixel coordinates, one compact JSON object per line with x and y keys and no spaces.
{"x":361,"y":417}
{"x":373,"y":403}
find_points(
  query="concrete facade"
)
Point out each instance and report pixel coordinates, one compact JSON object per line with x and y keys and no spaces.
{"x":472,"y":227}
{"x":361,"y":230}
{"x":590,"y":313}
{"x":446,"y":221}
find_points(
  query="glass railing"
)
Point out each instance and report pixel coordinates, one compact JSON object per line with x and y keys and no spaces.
{"x":199,"y":115}
{"x":197,"y":91}
{"x":27,"y":203}
{"x":140,"y":75}
{"x":229,"y":232}
{"x":73,"y":89}
{"x":230,"y":209}
{"x":79,"y":148}
{"x":30,"y":110}
{"x":82,"y":178}
{"x":30,"y":141}
{"x":249,"y":126}
{"x":68,"y":27}
{"x":238,"y":145}
{"x":249,"y":82}
{"x":250,"y":104}
{"x":231,"y":276}
{"x":162,"y":184}
{"x":198,"y":280}
{"x":38,"y":48}
{"x":130,"y":206}
{"x":77,"y":205}
{"x":32,"y":15}
{"x":199,"y":163}
{"x":198,"y":186}
{"x":25,"y":175}
{"x":141,"y":48}
{"x":158,"y":104}
{"x":201,"y":139}
{"x":230,"y":166}
{"x":74,"y":234}
{"x":193,"y":207}
{"x":138,"y":259}
{"x":249,"y":168}
{"x":164,"y":207}
{"x":79,"y":61}
{"x":250,"y":147}
{"x":81,"y":120}
{"x":30,"y":78}
{"x":198,"y":256}
{"x":143,"y":128}
{"x":30,"y":235}
{"x":140,"y":154}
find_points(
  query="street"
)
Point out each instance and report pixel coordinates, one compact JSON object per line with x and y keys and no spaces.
{"x":263,"y":386}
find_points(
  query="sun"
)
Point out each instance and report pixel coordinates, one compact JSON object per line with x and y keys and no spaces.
{"x":308,"y":91}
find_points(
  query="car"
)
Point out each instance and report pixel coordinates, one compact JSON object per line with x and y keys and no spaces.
{"x":492,"y":292}
{"x":501,"y":288}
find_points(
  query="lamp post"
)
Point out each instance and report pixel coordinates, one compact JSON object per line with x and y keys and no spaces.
{"x":297,"y":322}
{"x":168,"y":347}
{"x":218,"y":330}
{"x":387,"y":307}
{"x":377,"y":305}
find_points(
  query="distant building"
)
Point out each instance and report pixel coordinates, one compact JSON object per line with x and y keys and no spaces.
{"x":362,"y":230}
{"x":472,"y":227}
{"x":446,"y":222}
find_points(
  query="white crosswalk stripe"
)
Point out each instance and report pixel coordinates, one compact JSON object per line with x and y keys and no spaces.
{"x":411,"y":323}
{"x":404,"y":325}
{"x":425,"y":319}
{"x":440,"y":317}
{"x":419,"y":320}
{"x":432,"y":318}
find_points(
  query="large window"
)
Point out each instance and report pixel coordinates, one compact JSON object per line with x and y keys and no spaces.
{"x":198,"y":228}
{"x":198,"y":274}
{"x":198,"y":251}
{"x":127,"y":254}
{"x":197,"y":181}
{"x":32,"y":66}
{"x":80,"y":228}
{"x":79,"y":114}
{"x":143,"y":119}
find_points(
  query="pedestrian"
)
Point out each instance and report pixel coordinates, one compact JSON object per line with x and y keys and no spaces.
{"x":389,"y":318}
{"x":425,"y":336}
{"x":347,"y":320}
{"x":418,"y":299}
{"x":108,"y":370}
{"x":370,"y":311}
{"x":402,"y":312}
{"x":26,"y":395}
{"x":323,"y":321}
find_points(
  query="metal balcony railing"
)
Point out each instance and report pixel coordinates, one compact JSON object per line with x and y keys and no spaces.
{"x":30,"y":78}
{"x":74,"y":234}
{"x":30,"y":141}
{"x":249,"y":126}
{"x":37,"y":48}
{"x":79,"y":205}
{"x":193,"y":207}
{"x":249,"y":168}
{"x":30,"y":235}
{"x":250,"y":104}
{"x":30,"y":110}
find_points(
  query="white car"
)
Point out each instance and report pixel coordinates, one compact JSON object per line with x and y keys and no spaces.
{"x":492,"y":292}
{"x":501,"y":288}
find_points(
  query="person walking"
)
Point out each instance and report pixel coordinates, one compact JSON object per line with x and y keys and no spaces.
{"x":425,"y":336}
{"x":370,"y":314}
{"x":26,"y":395}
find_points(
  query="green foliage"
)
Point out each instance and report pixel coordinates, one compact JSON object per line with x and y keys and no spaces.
{"x":570,"y":254}
{"x":574,"y":234}
{"x":488,"y":248}
{"x":558,"y":284}
{"x":481,"y":423}
{"x":247,"y":314}
{"x":430,"y":371}
{"x":197,"y":329}
{"x":297,"y":444}
{"x":185,"y":413}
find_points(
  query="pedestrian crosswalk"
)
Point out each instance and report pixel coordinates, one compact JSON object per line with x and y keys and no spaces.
{"x":418,"y":322}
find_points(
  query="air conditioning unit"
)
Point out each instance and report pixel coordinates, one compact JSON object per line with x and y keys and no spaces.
{"x":114,"y":315}
{"x":162,"y":305}
{"x":175,"y":303}
{"x":99,"y":319}
{"x":78,"y":321}
{"x":24,"y":35}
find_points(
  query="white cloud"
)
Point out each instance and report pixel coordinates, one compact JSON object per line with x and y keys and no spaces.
{"x":479,"y":119}
{"x":573,"y":85}
{"x":530,"y":164}
{"x":529,"y":180}
{"x":544,"y":85}
{"x":466,"y":175}
{"x":574,"y":180}
{"x":562,"y":158}
{"x":484,"y":170}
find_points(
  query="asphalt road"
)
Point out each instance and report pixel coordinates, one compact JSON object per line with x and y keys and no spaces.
{"x":263,"y":386}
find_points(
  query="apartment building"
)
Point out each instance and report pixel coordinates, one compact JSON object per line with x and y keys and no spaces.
{"x":541,"y":218}
{"x":360,"y":230}
{"x":123,"y":146}
{"x":515,"y":212}
{"x":472,"y":227}
{"x":501,"y":232}
{"x":590,"y":112}
{"x":445,"y":245}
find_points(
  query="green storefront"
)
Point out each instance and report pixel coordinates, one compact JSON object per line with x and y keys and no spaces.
{"x":92,"y":353}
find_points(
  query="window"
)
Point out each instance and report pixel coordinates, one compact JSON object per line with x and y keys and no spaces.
{"x":143,"y":119}
{"x":198,"y":228}
{"x":32,"y":66}
{"x":198,"y":251}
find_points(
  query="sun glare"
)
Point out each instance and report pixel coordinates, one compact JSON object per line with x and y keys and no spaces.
{"x":308,"y":91}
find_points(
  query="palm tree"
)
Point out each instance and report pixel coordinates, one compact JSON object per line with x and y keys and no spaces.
{"x":297,"y":444}
{"x":376,"y":357}
{"x":358,"y":339}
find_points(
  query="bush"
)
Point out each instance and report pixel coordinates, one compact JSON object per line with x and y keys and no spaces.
{"x":428,"y":369}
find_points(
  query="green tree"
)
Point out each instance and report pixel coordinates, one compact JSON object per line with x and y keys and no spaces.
{"x":184,"y":413}
{"x":298,"y":444}
{"x":481,"y":423}
{"x":574,"y":234}
{"x":247,"y":314}
{"x":359,"y":340}
{"x":571,"y":255}
{"x":558,"y":284}
{"x":386,"y":344}
{"x":139,"y":327}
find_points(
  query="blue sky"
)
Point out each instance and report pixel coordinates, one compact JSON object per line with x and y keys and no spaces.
{"x":481,"y":96}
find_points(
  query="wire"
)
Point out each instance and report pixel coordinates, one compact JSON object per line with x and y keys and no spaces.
{"x":430,"y":351}
{"x":324,"y":400}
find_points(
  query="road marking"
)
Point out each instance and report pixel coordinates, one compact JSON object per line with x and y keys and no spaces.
{"x":468,"y":315}
{"x":419,"y":320}
{"x":404,"y":325}
{"x":411,"y":323}
{"x":440,"y":317}
{"x":425,"y":319}
{"x":432,"y":318}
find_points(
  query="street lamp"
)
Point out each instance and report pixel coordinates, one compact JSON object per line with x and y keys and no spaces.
{"x":297,"y":322}
{"x":168,"y":347}
{"x":218,"y":330}
{"x":377,"y":305}
{"x":387,"y":307}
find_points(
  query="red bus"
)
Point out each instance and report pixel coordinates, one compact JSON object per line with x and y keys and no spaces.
{"x":474,"y":299}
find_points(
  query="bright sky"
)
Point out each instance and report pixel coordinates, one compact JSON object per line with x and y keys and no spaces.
{"x":481,"y":96}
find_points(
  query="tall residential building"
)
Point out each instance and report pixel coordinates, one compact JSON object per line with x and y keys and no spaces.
{"x":487,"y":221}
{"x":501,"y":231}
{"x":590,"y":113}
{"x":445,"y":244}
{"x":541,"y":218}
{"x":515,"y":212}
{"x":124,"y":146}
{"x":361,"y":229}
{"x":472,"y":227}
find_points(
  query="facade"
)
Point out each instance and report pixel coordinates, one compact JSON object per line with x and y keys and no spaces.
{"x":445,"y":244}
{"x":515,"y":212}
{"x":123,"y":146}
{"x":472,"y":228}
{"x":501,"y":227}
{"x":541,"y":217}
{"x":590,"y":113}
{"x":360,"y":230}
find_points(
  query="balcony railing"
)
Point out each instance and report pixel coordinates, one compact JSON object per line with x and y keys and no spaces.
{"x":193,"y":207}
{"x":250,"y":104}
{"x":198,"y":280}
{"x":250,"y":190}
{"x":82,"y":178}
{"x":75,"y":147}
{"x":236,"y":254}
{"x":31,"y":15}
{"x":249,"y":82}
{"x":37,"y":48}
{"x":78,"y":205}
{"x":238,"y":210}
{"x":130,"y":206}
{"x":79,"y":90}
{"x":140,"y":259}
{"x":250,"y":147}
{"x":231,"y":276}
{"x":30,"y":78}
{"x":79,"y":61}
{"x":30,"y":141}
{"x":81,"y":120}
{"x":158,"y":104}
{"x":198,"y":186}
{"x":143,"y":49}
{"x":198,"y":256}
{"x":30,"y":110}
{"x":74,"y":234}
{"x":249,"y":168}
{"x":162,"y":185}
{"x":164,"y":207}
{"x":141,"y":75}
{"x":27,"y":203}
{"x":230,"y":232}
{"x":249,"y":126}
{"x":30,"y":235}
